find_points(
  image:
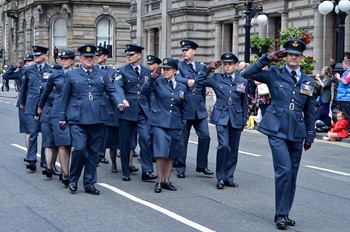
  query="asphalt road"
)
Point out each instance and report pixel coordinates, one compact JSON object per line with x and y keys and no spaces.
{"x":31,"y":202}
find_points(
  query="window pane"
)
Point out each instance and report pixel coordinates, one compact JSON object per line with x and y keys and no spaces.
{"x":60,"y":33}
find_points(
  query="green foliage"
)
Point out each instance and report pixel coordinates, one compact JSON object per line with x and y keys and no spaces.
{"x":260,"y":43}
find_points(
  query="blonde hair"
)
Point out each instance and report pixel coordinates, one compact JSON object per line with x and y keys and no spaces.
{"x":341,"y":114}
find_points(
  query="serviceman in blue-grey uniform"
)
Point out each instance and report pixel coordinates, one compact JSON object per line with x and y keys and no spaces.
{"x":101,"y":56}
{"x":35,"y":78}
{"x":83,"y":108}
{"x":16,"y":72}
{"x":229,"y":115}
{"x":288,"y":122}
{"x":195,"y":113}
{"x":131,"y":78}
{"x":62,"y":137}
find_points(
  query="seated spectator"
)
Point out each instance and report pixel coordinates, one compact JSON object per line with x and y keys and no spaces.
{"x":339,"y":129}
{"x":254,"y":120}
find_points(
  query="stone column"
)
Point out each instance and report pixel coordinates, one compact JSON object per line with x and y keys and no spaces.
{"x":235,"y":37}
{"x":347,"y":34}
{"x":218,"y":40}
{"x":318,"y":42}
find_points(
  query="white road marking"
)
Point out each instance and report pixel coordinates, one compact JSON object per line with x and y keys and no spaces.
{"x":157,"y":208}
{"x":143,"y":202}
{"x":242,"y":152}
{"x":328,"y":170}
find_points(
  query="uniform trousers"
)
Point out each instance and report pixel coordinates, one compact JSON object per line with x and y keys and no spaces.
{"x":202,"y":130}
{"x":126,"y":133}
{"x":227,"y":151}
{"x":286,"y":157}
{"x":34,"y":129}
{"x":23,"y":127}
{"x":86,"y":142}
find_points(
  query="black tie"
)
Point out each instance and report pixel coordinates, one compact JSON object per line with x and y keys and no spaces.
{"x":191,"y":66}
{"x":102,"y":67}
{"x":294,"y":76}
{"x":40,"y":68}
{"x":137,"y":71}
{"x":88,"y":72}
{"x":171,"y":84}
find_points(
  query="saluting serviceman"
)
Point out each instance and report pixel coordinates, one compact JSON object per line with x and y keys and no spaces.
{"x":62,"y":137}
{"x":166,"y":120}
{"x":195,"y":113}
{"x":288,"y":122}
{"x":229,"y":115}
{"x":35,"y":78}
{"x":83,"y":107}
{"x":131,"y":77}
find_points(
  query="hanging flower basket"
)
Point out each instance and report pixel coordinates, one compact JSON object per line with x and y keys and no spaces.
{"x":294,"y":33}
{"x":260,"y":45}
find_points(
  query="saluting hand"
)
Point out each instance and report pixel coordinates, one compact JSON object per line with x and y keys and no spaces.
{"x":156,"y":73}
{"x":276,"y":55}
{"x":307,"y":146}
{"x":214,"y":65}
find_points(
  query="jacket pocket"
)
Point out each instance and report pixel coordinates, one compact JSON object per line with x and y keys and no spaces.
{"x":215,"y":115}
{"x":74,"y":109}
{"x":272,"y":119}
{"x":103,"y":111}
{"x":300,"y":128}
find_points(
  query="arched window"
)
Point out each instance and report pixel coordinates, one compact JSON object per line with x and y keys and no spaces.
{"x":59,"y":34}
{"x":104,"y":34}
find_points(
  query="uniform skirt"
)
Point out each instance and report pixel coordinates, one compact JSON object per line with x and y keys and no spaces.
{"x":23,"y":127}
{"x":47,"y":135}
{"x":112,"y":137}
{"x":167,"y":143}
{"x":62,"y":137}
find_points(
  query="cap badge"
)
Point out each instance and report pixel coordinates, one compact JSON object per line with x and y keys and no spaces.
{"x":63,"y":53}
{"x":183,"y":43}
{"x":295,"y":44}
{"x":227,"y":56}
{"x":149,"y":57}
{"x":88,"y":49}
{"x":165,"y":61}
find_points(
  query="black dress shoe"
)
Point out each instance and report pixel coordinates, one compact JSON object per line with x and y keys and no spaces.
{"x":65,"y":180}
{"x":230,"y":184}
{"x":126,"y":178}
{"x":133,"y":169}
{"x":114,"y":169}
{"x":31,"y":166}
{"x":157,"y":188}
{"x":181,"y":175}
{"x":205,"y":171}
{"x":103,"y":160}
{"x":168,"y":186}
{"x":73,"y":187}
{"x":148,"y":176}
{"x":281,"y":223}
{"x":220,"y":184}
{"x":93,"y":191}
{"x":47,"y":172}
{"x":290,"y":222}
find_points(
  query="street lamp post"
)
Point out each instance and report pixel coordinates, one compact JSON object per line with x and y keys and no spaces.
{"x":249,"y":15}
{"x":342,"y":6}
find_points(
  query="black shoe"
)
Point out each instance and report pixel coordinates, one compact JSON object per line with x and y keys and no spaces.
{"x":168,"y":186}
{"x":181,"y":175}
{"x":126,"y":178}
{"x":47,"y":172}
{"x":281,"y":223}
{"x":133,"y":169}
{"x":31,"y":166}
{"x":220,"y":184}
{"x":65,"y":180}
{"x":157,"y":188}
{"x":114,"y":169}
{"x":230,"y":184}
{"x":290,"y":222}
{"x":148,"y":176}
{"x":73,"y":187}
{"x":205,"y":171}
{"x":93,"y":191}
{"x":103,"y":160}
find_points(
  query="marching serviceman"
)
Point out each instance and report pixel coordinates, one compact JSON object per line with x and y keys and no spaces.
{"x":229,"y":115}
{"x":83,"y":108}
{"x":288,"y":122}
{"x":195,"y":113}
{"x":62,"y":137}
{"x":166,"y":120}
{"x":35,"y":78}
{"x":131,"y":77}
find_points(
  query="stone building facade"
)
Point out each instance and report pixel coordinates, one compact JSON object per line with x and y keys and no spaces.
{"x":159,"y":25}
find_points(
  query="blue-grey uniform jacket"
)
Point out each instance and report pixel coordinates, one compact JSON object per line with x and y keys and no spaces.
{"x":33,"y":86}
{"x":231,"y":98}
{"x":291,"y":115}
{"x":195,"y":96}
{"x":131,"y":84}
{"x":82,"y":100}
{"x":167,"y":106}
